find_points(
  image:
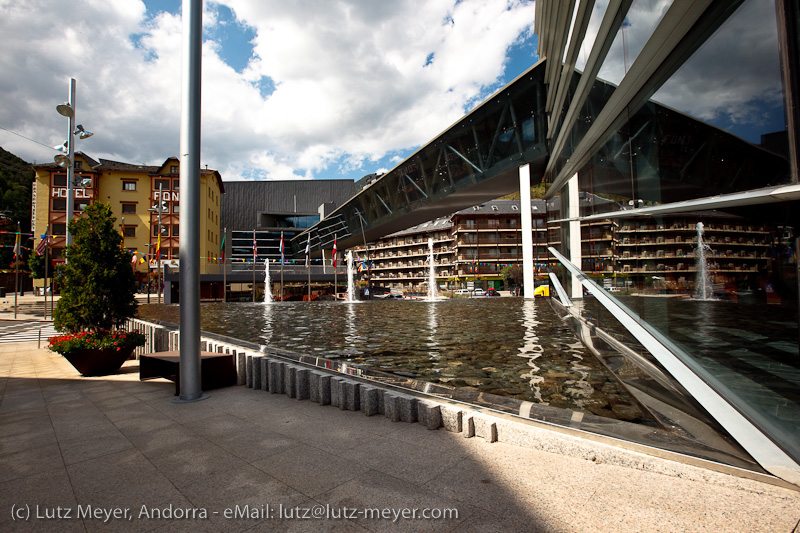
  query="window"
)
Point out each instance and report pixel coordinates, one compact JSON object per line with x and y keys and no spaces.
{"x":176,"y":185}
{"x":81,"y":205}
{"x":128,"y":185}
{"x":59,"y":204}
{"x":129,"y":231}
{"x":162,"y":184}
{"x":78,"y":165}
{"x":59,"y":229}
{"x":176,"y":207}
{"x":174,"y":169}
{"x":175,"y":231}
{"x":128,"y":209}
{"x":60,"y":180}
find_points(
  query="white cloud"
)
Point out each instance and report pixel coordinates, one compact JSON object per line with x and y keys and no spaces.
{"x":350,"y":79}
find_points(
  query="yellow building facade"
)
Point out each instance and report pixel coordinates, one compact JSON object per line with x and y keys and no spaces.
{"x":136,"y":193}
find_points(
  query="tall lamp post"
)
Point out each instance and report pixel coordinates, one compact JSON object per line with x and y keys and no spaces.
{"x":68,"y":161}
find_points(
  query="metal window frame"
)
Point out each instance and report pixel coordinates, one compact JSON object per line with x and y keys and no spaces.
{"x":768,"y":454}
{"x":684,"y":27}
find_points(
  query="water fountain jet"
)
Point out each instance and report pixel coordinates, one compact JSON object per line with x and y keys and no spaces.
{"x":267,"y":284}
{"x":432,"y":292}
{"x":703,"y":287}
{"x":351,"y":290}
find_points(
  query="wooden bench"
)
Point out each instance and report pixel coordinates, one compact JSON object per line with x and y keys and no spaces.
{"x":217,"y":370}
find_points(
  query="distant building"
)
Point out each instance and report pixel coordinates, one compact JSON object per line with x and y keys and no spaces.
{"x":132,"y":191}
{"x":267,"y":209}
{"x":473,"y":245}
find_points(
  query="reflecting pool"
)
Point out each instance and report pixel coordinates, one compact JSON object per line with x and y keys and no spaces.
{"x":503,"y":346}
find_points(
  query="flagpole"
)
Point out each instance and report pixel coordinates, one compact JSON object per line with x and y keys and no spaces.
{"x":44,"y":287}
{"x":308,"y":263}
{"x":224,"y":281}
{"x":254,"y":265}
{"x":17,"y":250}
{"x":281,"y":266}
{"x":335,"y":273}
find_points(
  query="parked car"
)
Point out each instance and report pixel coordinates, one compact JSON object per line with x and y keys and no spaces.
{"x":392,"y":296}
{"x":491,"y":292}
{"x":463,"y":291}
{"x":478,"y":292}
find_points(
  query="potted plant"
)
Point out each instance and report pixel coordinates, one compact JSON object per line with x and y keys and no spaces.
{"x":98,"y":352}
{"x":97,"y":295}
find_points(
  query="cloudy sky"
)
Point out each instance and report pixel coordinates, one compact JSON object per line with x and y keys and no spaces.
{"x":311,"y":89}
{"x":326,"y":88}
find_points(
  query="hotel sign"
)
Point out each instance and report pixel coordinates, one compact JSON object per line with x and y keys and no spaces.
{"x":61,"y":192}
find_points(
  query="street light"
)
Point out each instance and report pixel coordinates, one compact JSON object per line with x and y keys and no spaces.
{"x":68,"y":161}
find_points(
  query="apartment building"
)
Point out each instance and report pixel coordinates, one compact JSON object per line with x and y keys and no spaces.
{"x":475,"y":244}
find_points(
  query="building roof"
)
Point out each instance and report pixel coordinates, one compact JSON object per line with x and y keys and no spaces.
{"x":426,"y":227}
{"x":500,"y":207}
{"x":108,"y":164}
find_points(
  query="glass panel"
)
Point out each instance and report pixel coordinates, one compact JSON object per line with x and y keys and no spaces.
{"x":734,"y":80}
{"x":720,"y":285}
{"x":642,"y":18}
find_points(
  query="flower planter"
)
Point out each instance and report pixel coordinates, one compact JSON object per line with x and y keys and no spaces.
{"x":98,"y":362}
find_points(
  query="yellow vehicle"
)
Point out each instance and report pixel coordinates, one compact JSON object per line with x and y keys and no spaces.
{"x":542,"y":290}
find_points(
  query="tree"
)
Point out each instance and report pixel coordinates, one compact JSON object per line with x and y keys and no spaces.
{"x":16,"y":179}
{"x":512,"y":275}
{"x":98,"y":286}
{"x":36,"y":266}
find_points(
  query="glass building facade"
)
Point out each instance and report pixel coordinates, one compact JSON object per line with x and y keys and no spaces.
{"x":683,"y":115}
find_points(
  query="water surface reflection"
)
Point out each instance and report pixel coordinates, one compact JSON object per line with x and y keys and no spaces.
{"x":504,"y":346}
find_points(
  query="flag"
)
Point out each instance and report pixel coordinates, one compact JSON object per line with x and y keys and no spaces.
{"x":308,"y":248}
{"x":281,"y":247}
{"x":158,"y":246}
{"x":222,"y":247}
{"x":40,"y":249}
{"x":333,"y":255}
{"x":255,"y":247}
{"x":17,"y":247}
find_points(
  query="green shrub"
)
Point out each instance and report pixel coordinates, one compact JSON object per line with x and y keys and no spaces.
{"x":98,"y":286}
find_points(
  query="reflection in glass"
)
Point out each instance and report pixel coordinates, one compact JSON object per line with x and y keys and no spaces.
{"x":734,"y":80}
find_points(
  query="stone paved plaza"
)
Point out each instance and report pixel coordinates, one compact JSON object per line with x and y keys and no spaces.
{"x":86,"y":448}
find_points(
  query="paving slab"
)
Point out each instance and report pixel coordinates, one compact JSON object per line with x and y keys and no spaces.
{"x":249,"y":460}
